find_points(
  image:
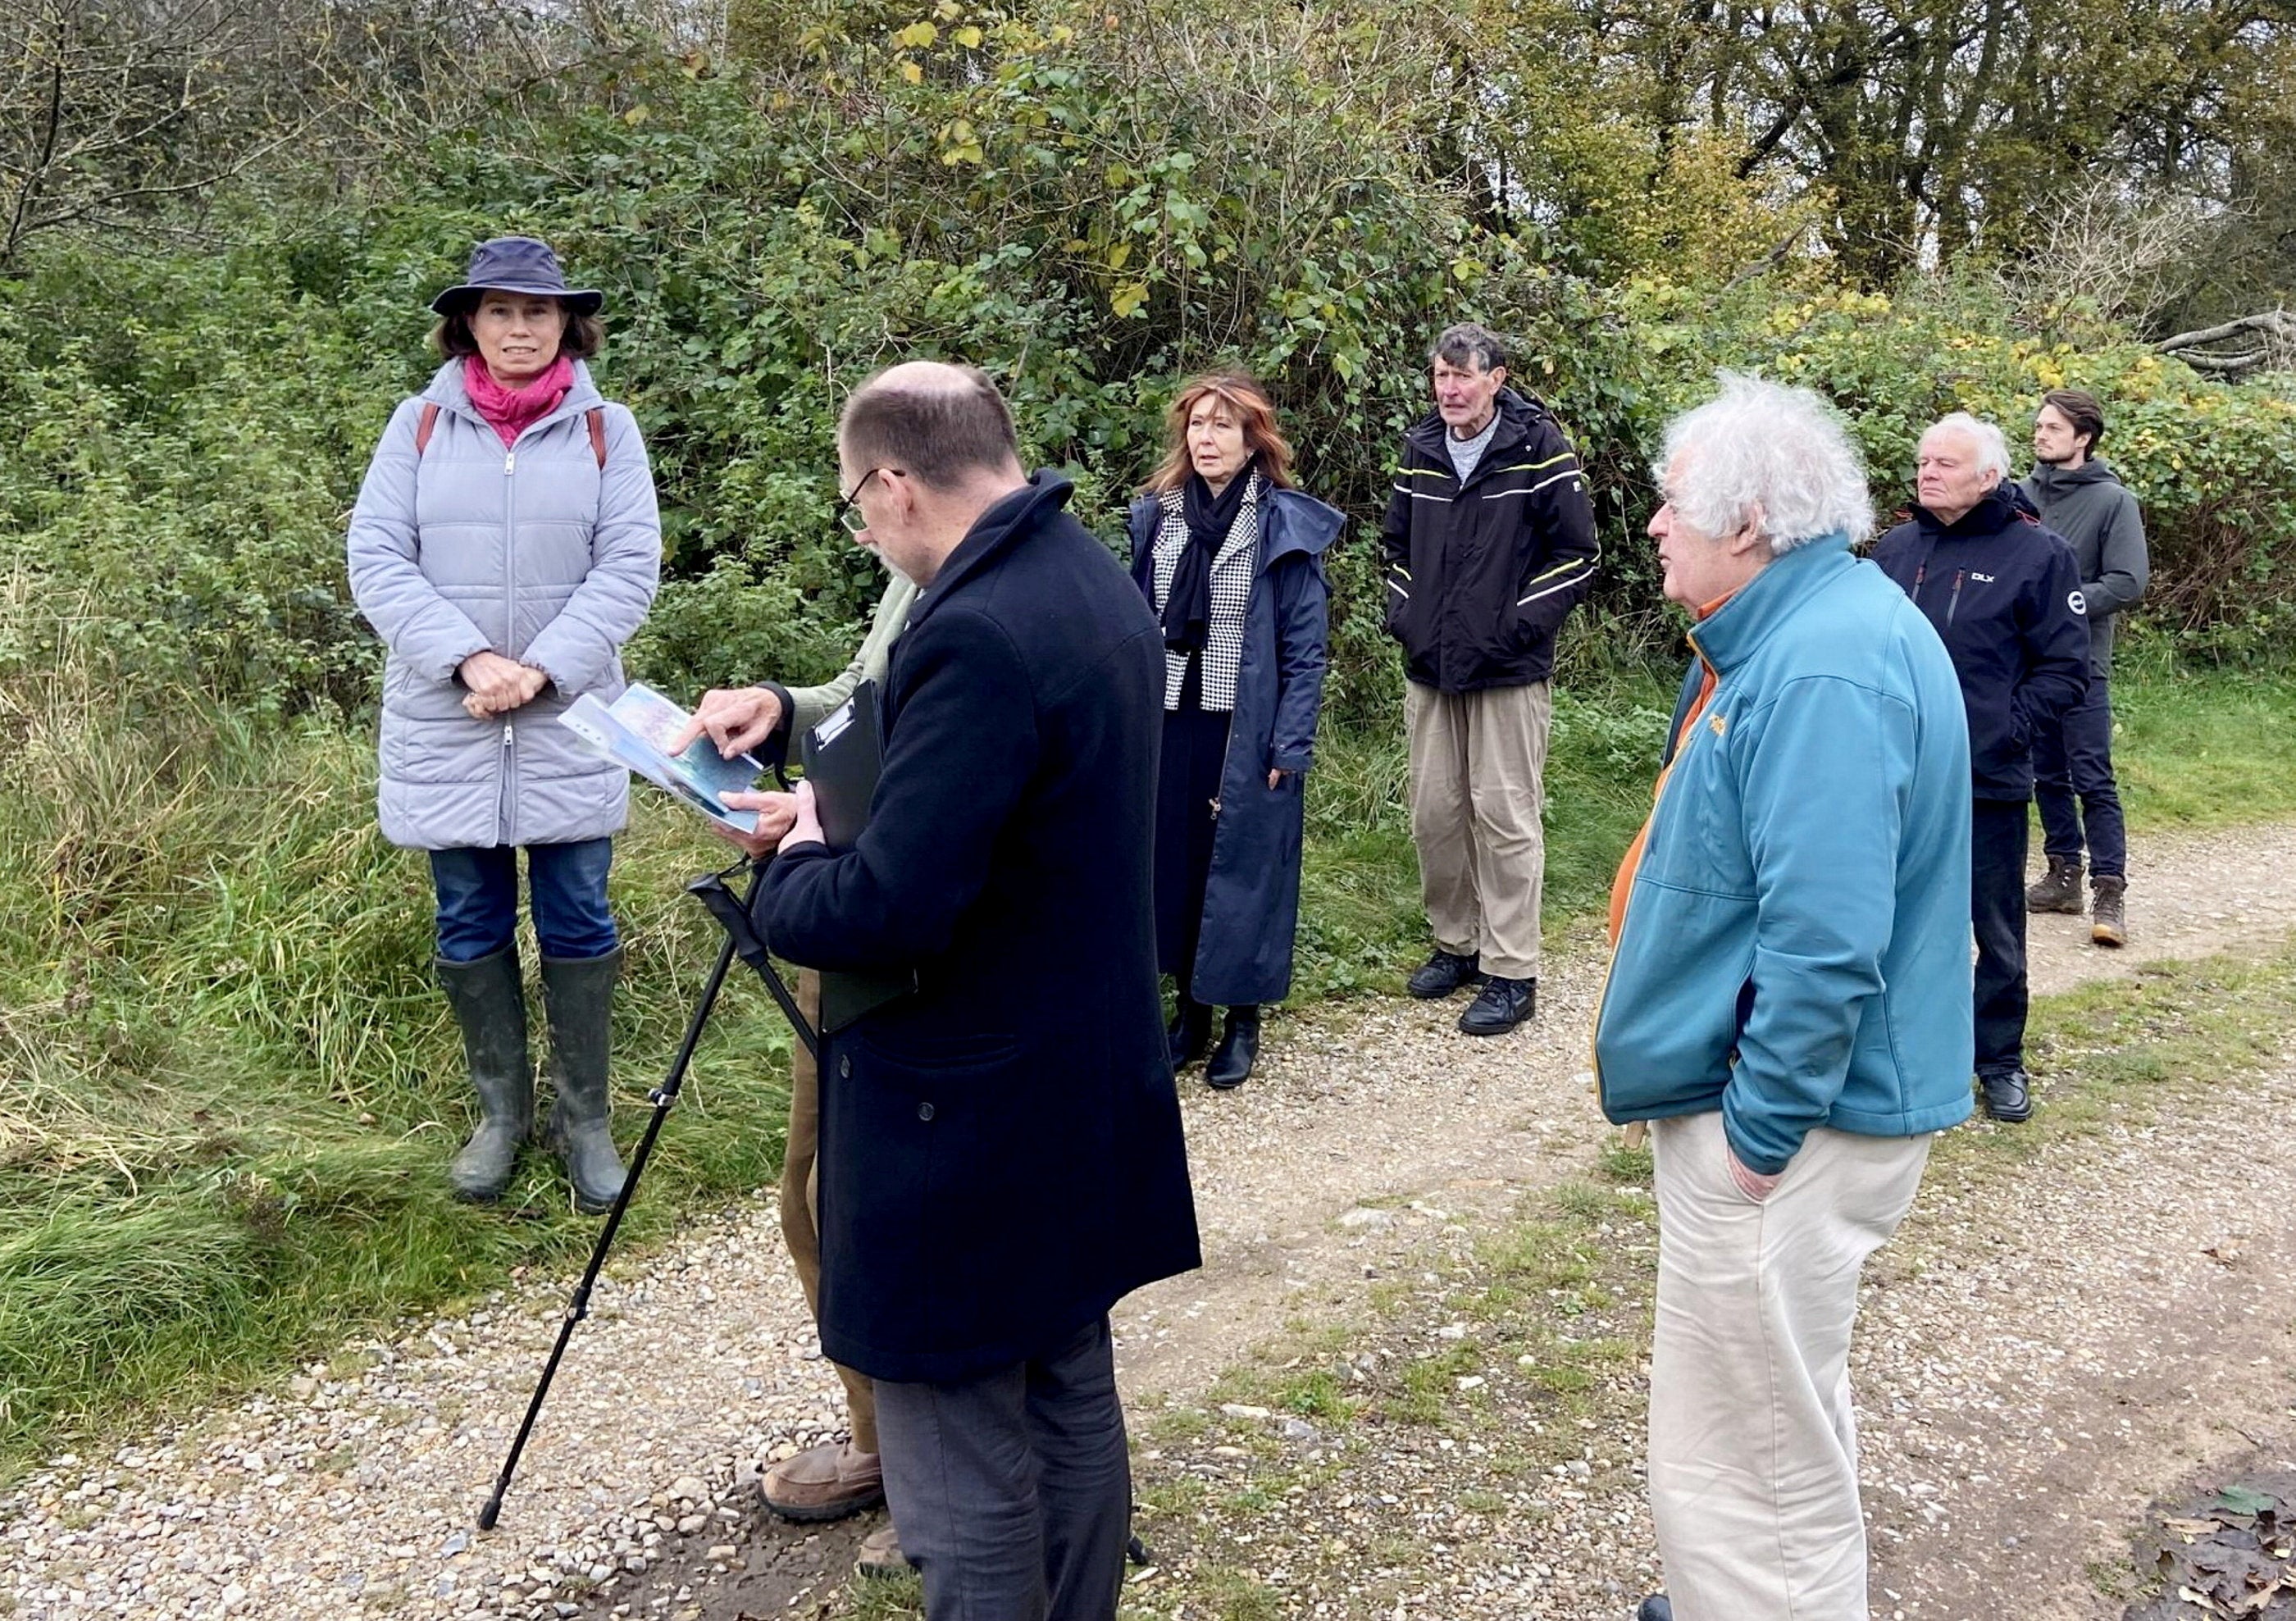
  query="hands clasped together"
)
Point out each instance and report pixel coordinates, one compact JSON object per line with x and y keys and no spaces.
{"x":498,"y":685}
{"x":738,"y":720}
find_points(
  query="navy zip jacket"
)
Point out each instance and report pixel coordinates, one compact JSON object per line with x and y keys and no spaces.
{"x":2005,"y":595}
{"x":1478,"y":575}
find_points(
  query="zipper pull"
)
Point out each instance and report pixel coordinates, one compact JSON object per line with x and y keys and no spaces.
{"x":510,"y":462}
{"x":507,"y":735}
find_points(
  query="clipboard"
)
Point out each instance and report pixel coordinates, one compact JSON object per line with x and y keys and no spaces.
{"x":843,"y":755}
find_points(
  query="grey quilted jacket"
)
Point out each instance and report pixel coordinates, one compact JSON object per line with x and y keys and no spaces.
{"x":536,"y":553}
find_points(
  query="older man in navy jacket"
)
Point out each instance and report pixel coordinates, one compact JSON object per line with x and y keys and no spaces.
{"x":1001,"y":1155}
{"x":2005,"y":596}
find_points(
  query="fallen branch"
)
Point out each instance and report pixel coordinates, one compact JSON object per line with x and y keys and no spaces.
{"x":2278,"y":328}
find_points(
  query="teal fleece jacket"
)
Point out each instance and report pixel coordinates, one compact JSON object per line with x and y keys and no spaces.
{"x":1795,"y":946}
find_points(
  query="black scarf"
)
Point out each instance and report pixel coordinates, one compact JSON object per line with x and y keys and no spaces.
{"x":1188,"y":606}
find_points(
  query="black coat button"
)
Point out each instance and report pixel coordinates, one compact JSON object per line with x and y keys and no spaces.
{"x":924,"y":1111}
{"x":845,"y":1066}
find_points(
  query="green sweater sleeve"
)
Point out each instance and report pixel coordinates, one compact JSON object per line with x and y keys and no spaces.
{"x":812,"y":705}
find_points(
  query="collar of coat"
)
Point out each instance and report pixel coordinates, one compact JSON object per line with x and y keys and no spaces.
{"x":2063,"y":480}
{"x":1519,"y":416}
{"x":1289,"y":520}
{"x":447,"y":393}
{"x":1023,"y":512}
{"x":1729,"y":636}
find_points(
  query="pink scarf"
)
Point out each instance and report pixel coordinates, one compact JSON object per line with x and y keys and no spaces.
{"x":509,"y":412}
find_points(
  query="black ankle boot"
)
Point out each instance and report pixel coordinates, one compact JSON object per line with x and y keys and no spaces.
{"x":1190,"y":1029}
{"x":1231,"y":1065}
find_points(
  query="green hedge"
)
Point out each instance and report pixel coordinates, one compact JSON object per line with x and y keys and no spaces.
{"x":191,"y":428}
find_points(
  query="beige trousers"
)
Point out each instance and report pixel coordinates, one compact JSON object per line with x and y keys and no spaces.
{"x":1754,"y":1451}
{"x":1478,"y":795}
{"x":800,"y":1203}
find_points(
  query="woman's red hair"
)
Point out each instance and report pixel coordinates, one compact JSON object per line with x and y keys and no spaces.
{"x":1254,"y":412}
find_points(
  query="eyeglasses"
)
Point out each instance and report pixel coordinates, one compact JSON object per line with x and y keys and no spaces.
{"x":850,"y":515}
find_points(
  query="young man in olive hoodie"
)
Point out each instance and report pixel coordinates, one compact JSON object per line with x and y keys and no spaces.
{"x":2081,"y":500}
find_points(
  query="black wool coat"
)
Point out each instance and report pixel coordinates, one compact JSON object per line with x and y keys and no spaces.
{"x":1001,"y":1155}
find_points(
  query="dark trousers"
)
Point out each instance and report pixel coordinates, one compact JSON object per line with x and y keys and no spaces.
{"x":1187,"y":784}
{"x":2074,"y":760}
{"x":1014,"y":1490}
{"x":477,"y":899}
{"x":1996,"y":910}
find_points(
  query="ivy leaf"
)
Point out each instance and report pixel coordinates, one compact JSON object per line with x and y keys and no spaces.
{"x":1128,"y":299}
{"x":969,"y":36}
{"x":918,"y":36}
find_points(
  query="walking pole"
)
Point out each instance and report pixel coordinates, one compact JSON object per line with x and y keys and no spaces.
{"x":713,"y":892}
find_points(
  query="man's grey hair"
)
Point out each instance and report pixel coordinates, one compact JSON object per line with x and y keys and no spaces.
{"x":1762,"y":451}
{"x":1472,"y":348}
{"x":1992,"y":446}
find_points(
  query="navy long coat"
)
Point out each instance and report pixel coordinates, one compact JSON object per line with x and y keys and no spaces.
{"x":1001,"y":1155}
{"x":1252,"y":899}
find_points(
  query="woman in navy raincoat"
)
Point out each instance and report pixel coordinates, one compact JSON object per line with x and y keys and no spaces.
{"x":1230,"y":556}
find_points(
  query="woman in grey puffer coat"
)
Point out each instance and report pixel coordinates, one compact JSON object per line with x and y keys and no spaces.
{"x":505,"y":545}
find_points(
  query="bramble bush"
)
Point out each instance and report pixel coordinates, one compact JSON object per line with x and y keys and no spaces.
{"x":1089,"y":215}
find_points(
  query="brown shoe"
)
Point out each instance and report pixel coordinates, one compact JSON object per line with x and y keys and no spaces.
{"x":825,"y":1482}
{"x":2108,"y":919}
{"x":882,"y":1555}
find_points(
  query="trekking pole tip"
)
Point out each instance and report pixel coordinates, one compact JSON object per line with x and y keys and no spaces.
{"x":490,"y":1513}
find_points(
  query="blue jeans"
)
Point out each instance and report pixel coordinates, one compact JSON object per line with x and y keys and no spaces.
{"x":2074,"y":759}
{"x":477,"y":899}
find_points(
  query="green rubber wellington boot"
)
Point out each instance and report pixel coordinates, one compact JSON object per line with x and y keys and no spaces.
{"x":490,"y":1006}
{"x":578,"y":994}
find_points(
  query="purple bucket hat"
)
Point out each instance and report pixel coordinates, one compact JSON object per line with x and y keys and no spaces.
{"x":516,"y":263}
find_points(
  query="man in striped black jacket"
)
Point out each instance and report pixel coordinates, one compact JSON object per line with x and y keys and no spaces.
{"x":1488,"y":541}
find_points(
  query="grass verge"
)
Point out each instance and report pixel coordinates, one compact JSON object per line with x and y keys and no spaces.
{"x":228,"y":1086}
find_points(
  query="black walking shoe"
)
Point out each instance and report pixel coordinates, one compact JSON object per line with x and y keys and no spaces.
{"x":1657,"y":1607}
{"x":1504,"y":1004}
{"x":1189,"y":1032}
{"x":1231,"y":1063}
{"x":1444,"y":972}
{"x":2007,"y":1097}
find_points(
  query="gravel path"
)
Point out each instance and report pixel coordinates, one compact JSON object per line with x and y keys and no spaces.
{"x":352,"y":1487}
{"x":2191,"y":897}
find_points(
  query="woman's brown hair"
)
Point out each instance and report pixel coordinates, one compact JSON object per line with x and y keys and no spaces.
{"x":1255,"y":414}
{"x":580,"y":340}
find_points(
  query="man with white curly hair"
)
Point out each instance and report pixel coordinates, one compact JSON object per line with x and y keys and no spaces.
{"x":1789,"y":998}
{"x":2005,"y":595}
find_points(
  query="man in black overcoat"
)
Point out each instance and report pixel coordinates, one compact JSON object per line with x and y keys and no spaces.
{"x":1001,"y":1155}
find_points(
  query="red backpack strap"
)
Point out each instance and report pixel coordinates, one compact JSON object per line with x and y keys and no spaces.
{"x":597,"y":419}
{"x":423,"y":426}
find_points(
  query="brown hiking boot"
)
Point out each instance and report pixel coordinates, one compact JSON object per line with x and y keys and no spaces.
{"x":825,"y":1482}
{"x":2107,"y":926}
{"x":2059,"y":888}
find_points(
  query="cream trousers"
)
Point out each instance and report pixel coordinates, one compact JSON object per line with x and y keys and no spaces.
{"x":1478,"y":797}
{"x":1754,"y":1451}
